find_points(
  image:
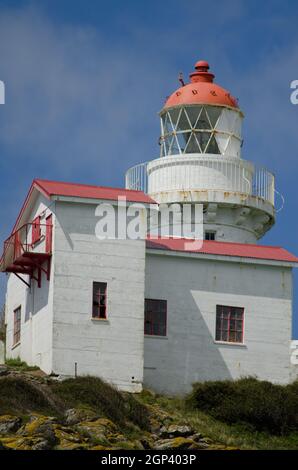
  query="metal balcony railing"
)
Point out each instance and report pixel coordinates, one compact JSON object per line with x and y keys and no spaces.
{"x":27,"y":249}
{"x":257,"y":181}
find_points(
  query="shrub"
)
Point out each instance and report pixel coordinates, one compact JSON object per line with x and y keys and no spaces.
{"x":103,"y":398}
{"x":18,"y":395}
{"x":259,"y":404}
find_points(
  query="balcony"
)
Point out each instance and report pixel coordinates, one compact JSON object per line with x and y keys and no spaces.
{"x":28,"y":251}
{"x":201,"y":173}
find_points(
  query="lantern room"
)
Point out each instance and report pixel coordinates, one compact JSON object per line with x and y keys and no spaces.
{"x":201,"y":117}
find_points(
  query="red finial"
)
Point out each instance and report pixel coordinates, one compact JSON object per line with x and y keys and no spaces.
{"x":201,"y":74}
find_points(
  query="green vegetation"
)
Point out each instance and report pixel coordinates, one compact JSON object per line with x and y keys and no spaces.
{"x":20,"y":396}
{"x":245,"y":414}
{"x":21,"y":365}
{"x":102,"y":398}
{"x":250,"y":403}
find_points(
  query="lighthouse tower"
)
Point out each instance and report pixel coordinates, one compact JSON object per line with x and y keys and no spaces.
{"x":200,"y":162}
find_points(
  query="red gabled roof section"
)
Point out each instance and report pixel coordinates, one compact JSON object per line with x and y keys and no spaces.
{"x":243,"y":250}
{"x":57,"y":188}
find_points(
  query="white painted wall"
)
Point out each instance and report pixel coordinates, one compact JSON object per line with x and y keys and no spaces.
{"x":111,"y":349}
{"x":36,"y":303}
{"x":193,"y":287}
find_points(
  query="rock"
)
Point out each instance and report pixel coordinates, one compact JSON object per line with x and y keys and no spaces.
{"x":74,"y":416}
{"x":198,"y":437}
{"x":176,"y":443}
{"x":42,"y":444}
{"x":3,"y":370}
{"x":174,"y":430}
{"x":38,"y":424}
{"x":101,"y":429}
{"x":9,"y":424}
{"x":19,"y":443}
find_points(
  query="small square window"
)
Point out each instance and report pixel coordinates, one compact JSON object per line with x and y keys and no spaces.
{"x":155,"y":317}
{"x":210,"y":235}
{"x":99,"y":309}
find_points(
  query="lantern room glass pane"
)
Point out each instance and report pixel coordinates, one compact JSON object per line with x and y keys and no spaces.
{"x":203,"y":139}
{"x":174,"y":114}
{"x":203,"y":122}
{"x":183,"y":123}
{"x":192,"y":145}
{"x":212,"y":146}
{"x":213,"y":114}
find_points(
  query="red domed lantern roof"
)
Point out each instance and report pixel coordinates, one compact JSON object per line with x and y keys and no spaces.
{"x":201,"y":90}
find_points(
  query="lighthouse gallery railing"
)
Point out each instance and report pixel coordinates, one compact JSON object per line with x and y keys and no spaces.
{"x":260,"y":186}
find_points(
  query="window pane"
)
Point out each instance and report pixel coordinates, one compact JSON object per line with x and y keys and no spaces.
{"x":155,"y":317}
{"x":183,"y":123}
{"x":229,"y":324}
{"x":99,"y":300}
{"x":203,"y":122}
{"x":213,"y":114}
{"x":203,"y":139}
{"x":192,"y":145}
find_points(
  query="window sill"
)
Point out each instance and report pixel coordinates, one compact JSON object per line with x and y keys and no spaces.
{"x":15,"y":345}
{"x":229,"y":343}
{"x":156,"y":336}
{"x":101,"y":320}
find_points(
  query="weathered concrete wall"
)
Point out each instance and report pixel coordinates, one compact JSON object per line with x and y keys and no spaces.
{"x":193,"y":288}
{"x":36,"y":303}
{"x":112,"y":348}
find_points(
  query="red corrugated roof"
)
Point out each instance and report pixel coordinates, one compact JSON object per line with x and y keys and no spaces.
{"x":243,"y":250}
{"x":57,"y":188}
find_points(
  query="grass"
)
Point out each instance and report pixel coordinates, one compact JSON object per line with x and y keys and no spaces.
{"x":19,"y":396}
{"x":235,"y":436}
{"x":20,"y":365}
{"x":102,"y":398}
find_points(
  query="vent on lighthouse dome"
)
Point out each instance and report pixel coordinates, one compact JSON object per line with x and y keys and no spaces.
{"x":201,"y":117}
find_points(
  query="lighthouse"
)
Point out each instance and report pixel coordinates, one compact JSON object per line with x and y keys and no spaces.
{"x":200,"y":162}
{"x":160,"y":312}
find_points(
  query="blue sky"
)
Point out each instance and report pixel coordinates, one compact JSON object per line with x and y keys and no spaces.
{"x":85,"y":81}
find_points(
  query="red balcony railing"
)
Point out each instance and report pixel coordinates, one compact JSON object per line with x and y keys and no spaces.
{"x":28,"y":251}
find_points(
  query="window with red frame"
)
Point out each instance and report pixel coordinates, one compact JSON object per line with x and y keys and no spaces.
{"x":229,"y":324}
{"x":155,"y":317}
{"x":36,"y":231}
{"x":17,"y":326}
{"x":99,"y":310}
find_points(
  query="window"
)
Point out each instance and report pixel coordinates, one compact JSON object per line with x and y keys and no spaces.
{"x":99,"y":309}
{"x":17,"y":326}
{"x":36,"y":232}
{"x":229,"y":324}
{"x":209,"y":235}
{"x":49,"y":234}
{"x":155,"y":317}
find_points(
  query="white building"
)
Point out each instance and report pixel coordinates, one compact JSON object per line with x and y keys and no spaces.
{"x":75,"y":302}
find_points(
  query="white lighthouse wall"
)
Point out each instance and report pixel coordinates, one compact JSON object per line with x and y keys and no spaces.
{"x":193,"y":288}
{"x":111,"y":349}
{"x":35,"y":346}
